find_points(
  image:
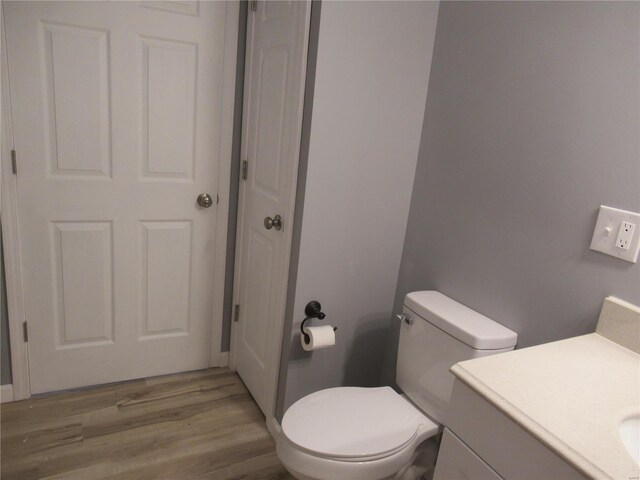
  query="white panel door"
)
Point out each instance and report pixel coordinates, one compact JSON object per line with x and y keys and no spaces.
{"x":117,"y":111}
{"x":277,"y":41}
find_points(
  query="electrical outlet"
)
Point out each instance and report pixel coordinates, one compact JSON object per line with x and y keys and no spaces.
{"x":615,"y":234}
{"x":625,"y":234}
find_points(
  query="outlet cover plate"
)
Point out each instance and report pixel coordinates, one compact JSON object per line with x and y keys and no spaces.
{"x":607,"y":231}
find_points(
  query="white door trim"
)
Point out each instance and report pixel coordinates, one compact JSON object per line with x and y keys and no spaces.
{"x":6,"y":393}
{"x":279,"y":327}
{"x":232,"y":17}
{"x":274,"y":428}
{"x":11,"y":243}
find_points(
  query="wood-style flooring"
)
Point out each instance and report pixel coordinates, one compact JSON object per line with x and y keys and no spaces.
{"x":196,"y":425}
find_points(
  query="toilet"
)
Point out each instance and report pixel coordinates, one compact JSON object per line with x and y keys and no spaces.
{"x":352,"y":433}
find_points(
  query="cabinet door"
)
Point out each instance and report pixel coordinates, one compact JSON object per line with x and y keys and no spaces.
{"x":456,"y":461}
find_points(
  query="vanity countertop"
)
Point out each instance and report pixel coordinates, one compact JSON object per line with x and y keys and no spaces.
{"x":570,"y":394}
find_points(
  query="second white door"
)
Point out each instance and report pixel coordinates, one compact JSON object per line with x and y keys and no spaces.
{"x":117,"y":119}
{"x":277,"y":42}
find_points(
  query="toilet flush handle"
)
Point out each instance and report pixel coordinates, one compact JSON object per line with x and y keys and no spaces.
{"x":403,"y":317}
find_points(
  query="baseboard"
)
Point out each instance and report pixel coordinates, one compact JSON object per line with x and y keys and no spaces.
{"x":274,"y":427}
{"x":6,"y":393}
{"x":224,"y":359}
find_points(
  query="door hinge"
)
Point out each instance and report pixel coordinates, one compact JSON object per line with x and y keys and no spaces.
{"x":254,"y":5}
{"x":236,"y":313}
{"x":14,"y":162}
{"x":25,"y":332}
{"x":245,"y":169}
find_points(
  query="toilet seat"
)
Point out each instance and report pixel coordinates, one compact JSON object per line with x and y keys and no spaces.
{"x":350,"y":432}
{"x":351,"y":423}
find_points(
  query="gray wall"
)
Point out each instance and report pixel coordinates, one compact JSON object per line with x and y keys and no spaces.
{"x":5,"y":354}
{"x":532,"y":121}
{"x":370,"y":89}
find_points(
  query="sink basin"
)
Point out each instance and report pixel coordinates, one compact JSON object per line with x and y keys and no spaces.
{"x":629,"y":431}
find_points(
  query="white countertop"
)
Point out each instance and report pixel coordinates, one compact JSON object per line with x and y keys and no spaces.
{"x":570,"y":395}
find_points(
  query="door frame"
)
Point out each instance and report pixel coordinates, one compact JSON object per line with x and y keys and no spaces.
{"x":272,"y":383}
{"x":231,"y":26}
{"x":9,"y":219}
{"x":10,"y":238}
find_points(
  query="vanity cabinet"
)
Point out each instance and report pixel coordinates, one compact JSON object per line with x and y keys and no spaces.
{"x":483,"y":443}
{"x":456,"y":461}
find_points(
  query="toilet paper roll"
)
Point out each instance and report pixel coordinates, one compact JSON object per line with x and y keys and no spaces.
{"x":319,"y":337}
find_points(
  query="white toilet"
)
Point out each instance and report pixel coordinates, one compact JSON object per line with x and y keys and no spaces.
{"x":351,"y":433}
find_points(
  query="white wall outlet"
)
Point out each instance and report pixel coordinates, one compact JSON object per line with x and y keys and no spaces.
{"x":616,"y":234}
{"x":625,"y":234}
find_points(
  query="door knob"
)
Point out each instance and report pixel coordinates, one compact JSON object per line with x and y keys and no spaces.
{"x":205,"y":200}
{"x":275,"y":222}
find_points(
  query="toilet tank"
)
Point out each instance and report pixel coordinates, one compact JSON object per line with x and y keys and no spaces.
{"x":435,"y":333}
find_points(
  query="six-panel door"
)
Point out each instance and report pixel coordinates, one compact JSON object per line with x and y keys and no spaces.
{"x":116,"y":111}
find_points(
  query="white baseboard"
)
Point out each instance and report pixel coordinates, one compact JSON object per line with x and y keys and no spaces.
{"x":6,"y":393}
{"x":274,"y":427}
{"x":224,"y":359}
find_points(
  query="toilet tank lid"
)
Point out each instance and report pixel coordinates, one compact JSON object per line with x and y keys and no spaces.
{"x":459,"y":321}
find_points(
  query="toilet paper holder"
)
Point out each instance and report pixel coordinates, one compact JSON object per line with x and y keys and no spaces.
{"x":312,"y":310}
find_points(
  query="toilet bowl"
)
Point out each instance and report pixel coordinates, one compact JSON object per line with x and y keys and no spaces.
{"x":352,"y":433}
